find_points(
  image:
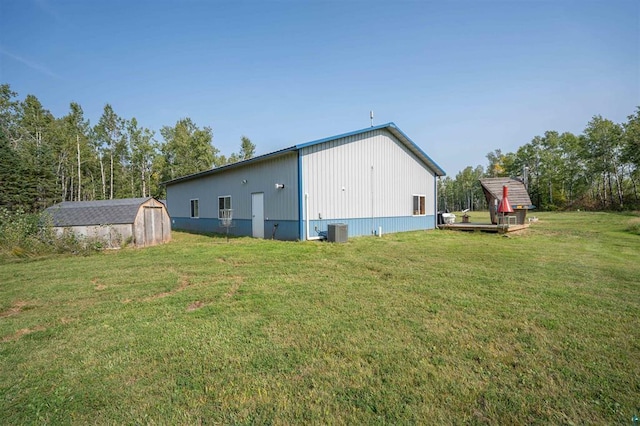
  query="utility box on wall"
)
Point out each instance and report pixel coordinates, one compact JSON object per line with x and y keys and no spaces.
{"x":338,"y":233}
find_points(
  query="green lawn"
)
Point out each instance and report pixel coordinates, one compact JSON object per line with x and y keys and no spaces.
{"x":542,"y":326}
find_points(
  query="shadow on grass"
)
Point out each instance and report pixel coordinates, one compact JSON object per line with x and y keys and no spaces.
{"x":209,"y":234}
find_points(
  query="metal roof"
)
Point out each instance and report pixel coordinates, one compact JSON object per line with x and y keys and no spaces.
{"x":518,"y":195}
{"x":391,"y":127}
{"x":230,"y":166}
{"x":101,"y":212}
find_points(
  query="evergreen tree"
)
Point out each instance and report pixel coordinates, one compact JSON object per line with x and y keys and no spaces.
{"x":11,"y":187}
{"x":36,"y":152}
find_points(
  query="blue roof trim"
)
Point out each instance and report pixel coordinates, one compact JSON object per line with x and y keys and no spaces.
{"x":344,"y":135}
{"x":436,"y":168}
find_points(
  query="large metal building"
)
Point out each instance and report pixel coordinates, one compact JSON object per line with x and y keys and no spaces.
{"x":373,"y":180}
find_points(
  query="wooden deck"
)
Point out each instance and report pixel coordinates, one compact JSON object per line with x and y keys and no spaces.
{"x":484,"y":227}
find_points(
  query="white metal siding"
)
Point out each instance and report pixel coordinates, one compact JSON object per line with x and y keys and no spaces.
{"x":365,"y":175}
{"x":280,"y":204}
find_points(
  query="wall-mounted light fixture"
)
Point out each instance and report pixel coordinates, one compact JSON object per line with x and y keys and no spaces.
{"x":279,"y":185}
{"x":244,"y":181}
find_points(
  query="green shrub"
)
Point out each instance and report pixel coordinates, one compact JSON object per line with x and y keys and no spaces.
{"x":634,"y":226}
{"x":23,"y":234}
{"x":18,"y":232}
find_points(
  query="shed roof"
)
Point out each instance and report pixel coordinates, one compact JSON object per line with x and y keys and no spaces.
{"x":391,"y":127}
{"x":100,"y":212}
{"x":518,"y":195}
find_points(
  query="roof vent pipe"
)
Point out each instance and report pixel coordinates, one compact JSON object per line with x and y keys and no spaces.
{"x":505,"y":205}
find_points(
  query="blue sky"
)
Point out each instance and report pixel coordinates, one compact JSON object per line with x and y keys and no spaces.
{"x":461,"y":78}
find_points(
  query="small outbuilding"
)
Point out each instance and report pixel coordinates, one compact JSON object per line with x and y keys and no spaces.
{"x":518,"y":197}
{"x":140,"y":221}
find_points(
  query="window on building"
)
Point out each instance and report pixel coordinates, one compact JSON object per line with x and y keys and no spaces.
{"x":194,"y":209}
{"x":224,"y":203}
{"x":419,"y":205}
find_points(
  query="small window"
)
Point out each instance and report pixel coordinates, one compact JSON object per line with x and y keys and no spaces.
{"x":418,"y":205}
{"x":224,"y":203}
{"x":194,"y":209}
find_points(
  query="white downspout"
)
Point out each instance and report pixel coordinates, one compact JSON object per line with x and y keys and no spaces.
{"x":436,"y":179}
{"x":306,"y":214}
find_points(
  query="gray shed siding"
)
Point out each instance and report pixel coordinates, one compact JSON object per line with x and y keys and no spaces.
{"x":368,"y":181}
{"x":280,"y":205}
{"x":113,"y":236}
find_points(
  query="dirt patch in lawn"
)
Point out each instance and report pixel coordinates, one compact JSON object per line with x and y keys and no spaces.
{"x":98,"y":285}
{"x":184,"y":283}
{"x":16,"y":308}
{"x":18,"y":334}
{"x":195,"y":305}
{"x":237,"y":281}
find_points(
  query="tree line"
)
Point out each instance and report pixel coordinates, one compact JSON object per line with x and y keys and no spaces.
{"x":596,"y":170}
{"x":45,"y":160}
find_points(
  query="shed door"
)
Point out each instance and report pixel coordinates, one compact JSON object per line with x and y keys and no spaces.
{"x":152,"y":225}
{"x":257,"y":215}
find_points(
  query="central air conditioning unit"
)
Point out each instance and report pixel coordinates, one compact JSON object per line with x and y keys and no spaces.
{"x":338,"y":233}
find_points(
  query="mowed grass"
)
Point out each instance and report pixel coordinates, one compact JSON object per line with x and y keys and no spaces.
{"x":542,"y":326}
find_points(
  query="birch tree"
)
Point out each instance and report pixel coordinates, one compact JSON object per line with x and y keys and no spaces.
{"x":77,"y":135}
{"x":109,"y":134}
{"x":144,"y":150}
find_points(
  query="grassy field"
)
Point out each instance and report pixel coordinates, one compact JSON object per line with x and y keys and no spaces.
{"x":542,"y":326}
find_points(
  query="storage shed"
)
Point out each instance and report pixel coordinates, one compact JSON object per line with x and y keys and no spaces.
{"x":371,"y":180}
{"x":518,"y":197}
{"x":141,"y":221}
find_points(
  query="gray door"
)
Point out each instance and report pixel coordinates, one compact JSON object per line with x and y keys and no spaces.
{"x":257,"y":215}
{"x":152,"y":225}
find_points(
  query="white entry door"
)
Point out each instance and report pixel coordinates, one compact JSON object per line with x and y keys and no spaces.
{"x":257,"y":212}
